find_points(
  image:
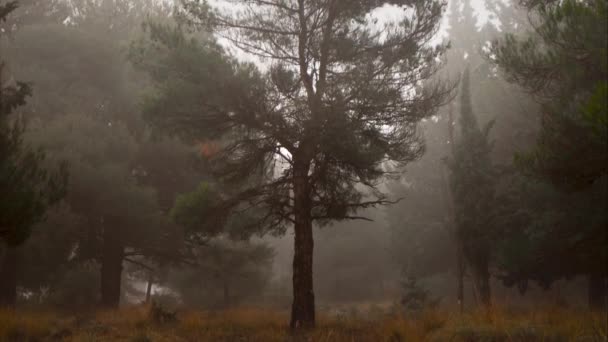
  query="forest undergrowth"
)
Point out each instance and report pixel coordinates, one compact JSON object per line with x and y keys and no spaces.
{"x":143,"y":323}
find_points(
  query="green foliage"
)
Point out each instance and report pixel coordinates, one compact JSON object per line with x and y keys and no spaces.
{"x":195,"y":211}
{"x":563,"y":64}
{"x":263,"y":119}
{"x":305,"y":141}
{"x":595,"y":112}
{"x":184,"y":69}
{"x":27,"y":186}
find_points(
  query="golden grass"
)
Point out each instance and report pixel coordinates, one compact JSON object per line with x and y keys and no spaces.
{"x":254,"y":324}
{"x":26,"y":326}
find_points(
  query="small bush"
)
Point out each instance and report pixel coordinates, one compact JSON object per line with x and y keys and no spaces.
{"x":160,"y":315}
{"x":416,"y":298}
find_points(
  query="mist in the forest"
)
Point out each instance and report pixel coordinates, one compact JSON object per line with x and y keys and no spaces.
{"x":319,"y":158}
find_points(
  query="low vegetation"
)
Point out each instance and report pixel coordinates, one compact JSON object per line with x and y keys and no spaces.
{"x":137,"y":323}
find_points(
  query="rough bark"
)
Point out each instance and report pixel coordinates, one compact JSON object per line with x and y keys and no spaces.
{"x":111,"y":268}
{"x":597,"y":292}
{"x":8,"y":278}
{"x":303,"y":306}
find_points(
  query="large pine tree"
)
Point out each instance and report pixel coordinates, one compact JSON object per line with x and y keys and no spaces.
{"x":340,"y":98}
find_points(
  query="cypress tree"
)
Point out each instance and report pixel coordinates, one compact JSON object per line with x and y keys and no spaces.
{"x":472,"y":181}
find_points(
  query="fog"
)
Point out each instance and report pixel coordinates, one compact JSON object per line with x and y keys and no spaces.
{"x":335,"y":158}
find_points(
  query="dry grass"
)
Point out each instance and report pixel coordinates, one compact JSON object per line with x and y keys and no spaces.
{"x":134,"y":324}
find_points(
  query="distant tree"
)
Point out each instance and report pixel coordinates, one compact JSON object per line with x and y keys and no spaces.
{"x":229,"y":273}
{"x":415,"y":298}
{"x":423,"y":223}
{"x":421,"y":232}
{"x":47,"y":256}
{"x":85,"y":128}
{"x":364,"y":267}
{"x":562,"y":63}
{"x":28,"y":187}
{"x":472,"y":180}
{"x":84,"y":110}
{"x":122,"y":218}
{"x":340,"y":98}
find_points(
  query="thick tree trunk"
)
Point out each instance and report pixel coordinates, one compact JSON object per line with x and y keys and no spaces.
{"x":303,"y":306}
{"x":597,"y":291}
{"x":8,"y":278}
{"x":111,"y":268}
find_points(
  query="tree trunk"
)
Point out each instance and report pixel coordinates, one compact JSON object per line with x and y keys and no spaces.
{"x":226,"y":288}
{"x":111,"y":268}
{"x":149,"y":288}
{"x":303,"y":306}
{"x":597,"y":291}
{"x":8,"y":278}
{"x":461,"y":270}
{"x":449,"y":203}
{"x":482,"y":278}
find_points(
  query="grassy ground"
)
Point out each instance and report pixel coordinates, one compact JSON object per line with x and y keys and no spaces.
{"x":135,"y":324}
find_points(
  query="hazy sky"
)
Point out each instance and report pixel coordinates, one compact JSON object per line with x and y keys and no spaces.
{"x":390,"y":13}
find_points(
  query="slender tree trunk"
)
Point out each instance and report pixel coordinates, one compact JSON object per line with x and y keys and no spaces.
{"x":483,"y":283}
{"x":226,"y":289}
{"x":149,"y":288}
{"x":111,"y":268}
{"x":449,"y":199}
{"x":597,"y":291}
{"x":303,"y":307}
{"x":461,"y":270}
{"x":8,"y":278}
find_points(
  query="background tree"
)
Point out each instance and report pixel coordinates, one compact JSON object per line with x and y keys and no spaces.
{"x":424,"y":219}
{"x":472,"y":182}
{"x":95,"y":128}
{"x":562,"y":63}
{"x":230,"y":273}
{"x":364,"y":267}
{"x":27,"y":186}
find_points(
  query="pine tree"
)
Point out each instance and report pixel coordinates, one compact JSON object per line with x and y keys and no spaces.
{"x":415,"y":297}
{"x":562,"y":63}
{"x":334,"y":106}
{"x":27,"y":187}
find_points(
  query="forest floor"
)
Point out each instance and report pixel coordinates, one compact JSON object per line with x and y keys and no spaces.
{"x":137,"y":324}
